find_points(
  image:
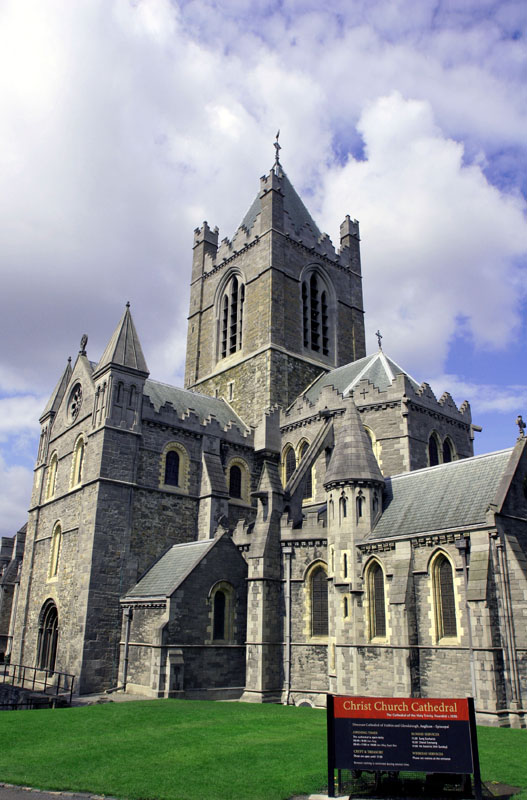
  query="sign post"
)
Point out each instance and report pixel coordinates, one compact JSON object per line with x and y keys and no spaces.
{"x":395,"y":734}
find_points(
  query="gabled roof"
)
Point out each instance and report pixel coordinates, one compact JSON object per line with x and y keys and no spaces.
{"x":298,"y":214}
{"x":124,"y":348}
{"x":454,"y":495}
{"x":169,"y":571}
{"x":379,"y":369}
{"x":58,"y":392}
{"x":185,"y":401}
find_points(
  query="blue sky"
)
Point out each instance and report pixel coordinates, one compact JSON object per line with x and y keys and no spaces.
{"x":124,"y":124}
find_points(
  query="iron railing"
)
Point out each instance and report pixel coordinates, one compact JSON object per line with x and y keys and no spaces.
{"x":49,"y":682}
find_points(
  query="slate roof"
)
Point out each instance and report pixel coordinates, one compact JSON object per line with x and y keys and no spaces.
{"x":184,"y":401}
{"x":124,"y":348}
{"x":454,"y":495}
{"x":352,"y":457}
{"x":379,"y":369}
{"x":168,"y":572}
{"x":293,"y":207}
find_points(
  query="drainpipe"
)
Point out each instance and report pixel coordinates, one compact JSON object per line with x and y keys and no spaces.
{"x":287,"y":551}
{"x":128,"y":613}
{"x":462,"y":545}
{"x":509,"y":626}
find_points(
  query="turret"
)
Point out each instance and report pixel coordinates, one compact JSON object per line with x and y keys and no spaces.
{"x":353,"y":485}
{"x":119,"y":378}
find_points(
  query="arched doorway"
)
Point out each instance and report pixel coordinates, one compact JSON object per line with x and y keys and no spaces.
{"x":48,"y":632}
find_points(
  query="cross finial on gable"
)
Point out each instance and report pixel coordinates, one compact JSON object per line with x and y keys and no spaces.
{"x":379,"y":337}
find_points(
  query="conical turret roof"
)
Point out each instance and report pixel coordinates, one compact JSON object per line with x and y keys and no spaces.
{"x":124,"y":348}
{"x":352,"y":458}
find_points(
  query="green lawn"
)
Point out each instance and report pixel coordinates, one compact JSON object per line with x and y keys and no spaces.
{"x":182,"y":750}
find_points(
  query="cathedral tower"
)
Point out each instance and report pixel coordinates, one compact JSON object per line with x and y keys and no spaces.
{"x":275,"y":307}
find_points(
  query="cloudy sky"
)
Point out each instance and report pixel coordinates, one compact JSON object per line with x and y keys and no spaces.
{"x":125,"y":123}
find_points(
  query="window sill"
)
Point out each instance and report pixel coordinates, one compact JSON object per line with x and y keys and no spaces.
{"x":236,"y":501}
{"x":448,"y":641}
{"x":166,"y":487}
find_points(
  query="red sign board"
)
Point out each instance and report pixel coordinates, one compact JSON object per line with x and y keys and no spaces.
{"x":394,"y":734}
{"x":400,"y":708}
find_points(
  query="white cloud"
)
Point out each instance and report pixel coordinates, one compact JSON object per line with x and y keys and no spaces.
{"x":484,"y":397}
{"x":19,"y":415}
{"x":440,"y":243}
{"x":16,"y":483}
{"x":124,"y":124}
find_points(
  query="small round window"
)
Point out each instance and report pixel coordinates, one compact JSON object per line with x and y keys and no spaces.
{"x":74,"y":402}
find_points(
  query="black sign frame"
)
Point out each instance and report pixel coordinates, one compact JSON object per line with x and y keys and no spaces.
{"x":362,"y":731}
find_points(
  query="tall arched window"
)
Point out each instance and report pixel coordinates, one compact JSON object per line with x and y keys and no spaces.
{"x":433,"y":450}
{"x":172,"y":468}
{"x":48,"y":632}
{"x":343,"y":508}
{"x":289,"y":464}
{"x":52,"y":476}
{"x":448,"y":451}
{"x":308,"y":486}
{"x":222,"y":609}
{"x":78,"y":462}
{"x":359,"y":502}
{"x":319,"y":602}
{"x":219,"y":615}
{"x":232,"y":316}
{"x":444,"y":597}
{"x":376,"y":601}
{"x":315,"y":314}
{"x":54,"y":554}
{"x":235,"y":482}
{"x":239,"y":481}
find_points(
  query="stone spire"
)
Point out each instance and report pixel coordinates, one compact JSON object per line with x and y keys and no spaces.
{"x":352,"y":458}
{"x":124,"y":348}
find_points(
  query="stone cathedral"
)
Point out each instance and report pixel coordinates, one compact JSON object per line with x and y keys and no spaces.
{"x":302,"y":518}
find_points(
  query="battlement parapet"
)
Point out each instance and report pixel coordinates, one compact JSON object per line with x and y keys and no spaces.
{"x":206,"y":234}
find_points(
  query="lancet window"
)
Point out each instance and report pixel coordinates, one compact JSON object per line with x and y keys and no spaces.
{"x":48,"y":633}
{"x":308,"y":487}
{"x":319,"y":602}
{"x":444,"y":597}
{"x":232,"y":316}
{"x":315,"y":314}
{"x":376,"y":601}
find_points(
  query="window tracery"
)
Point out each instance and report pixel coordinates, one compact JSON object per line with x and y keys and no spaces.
{"x":317,"y":586}
{"x":48,"y":632}
{"x":444,"y":597}
{"x":376,"y":601}
{"x":231,"y":322}
{"x":315,"y":314}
